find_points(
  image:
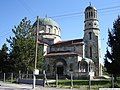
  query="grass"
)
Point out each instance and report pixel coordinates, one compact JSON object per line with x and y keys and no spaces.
{"x":83,"y":84}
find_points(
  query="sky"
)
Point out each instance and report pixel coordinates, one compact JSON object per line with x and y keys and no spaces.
{"x":71,"y":24}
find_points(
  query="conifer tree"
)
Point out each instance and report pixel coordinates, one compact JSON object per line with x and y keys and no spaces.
{"x":112,"y":56}
{"x":5,"y":64}
{"x":23,"y":47}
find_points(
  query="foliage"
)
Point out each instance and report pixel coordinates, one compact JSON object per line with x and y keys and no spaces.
{"x":5,"y":62}
{"x":112,"y":57}
{"x":40,"y":61}
{"x":22,"y":45}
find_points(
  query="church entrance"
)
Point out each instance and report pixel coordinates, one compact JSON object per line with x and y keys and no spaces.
{"x":60,"y":70}
{"x":60,"y":65}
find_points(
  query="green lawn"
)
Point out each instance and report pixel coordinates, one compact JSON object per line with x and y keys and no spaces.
{"x":83,"y":84}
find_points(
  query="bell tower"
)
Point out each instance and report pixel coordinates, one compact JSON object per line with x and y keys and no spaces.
{"x":91,"y":36}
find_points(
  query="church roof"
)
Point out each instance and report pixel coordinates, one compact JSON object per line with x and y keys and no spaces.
{"x":61,"y":54}
{"x":70,"y":42}
{"x":49,"y":21}
{"x":46,"y":21}
{"x":90,"y":8}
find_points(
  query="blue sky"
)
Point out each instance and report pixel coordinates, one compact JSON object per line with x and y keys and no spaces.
{"x":72,"y":26}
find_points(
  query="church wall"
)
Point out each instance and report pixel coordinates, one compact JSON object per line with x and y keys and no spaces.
{"x":71,"y":64}
{"x":79,"y":50}
{"x":68,"y":48}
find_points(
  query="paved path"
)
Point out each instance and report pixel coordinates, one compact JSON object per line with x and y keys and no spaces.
{"x":9,"y":86}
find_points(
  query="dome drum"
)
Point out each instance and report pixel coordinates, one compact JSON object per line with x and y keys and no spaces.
{"x":49,"y":29}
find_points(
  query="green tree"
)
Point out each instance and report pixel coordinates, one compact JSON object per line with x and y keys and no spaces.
{"x":40,"y":61}
{"x":22,"y":51}
{"x":5,"y":64}
{"x":112,"y":57}
{"x":23,"y":46}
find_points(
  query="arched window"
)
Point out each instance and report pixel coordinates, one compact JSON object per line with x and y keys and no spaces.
{"x":48,"y":30}
{"x":83,"y":66}
{"x":94,"y":14}
{"x":71,"y":66}
{"x":87,"y":15}
{"x":90,"y":35}
{"x":48,"y":68}
{"x":91,"y":14}
{"x":90,"y":52}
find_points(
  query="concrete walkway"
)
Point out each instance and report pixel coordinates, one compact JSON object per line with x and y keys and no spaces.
{"x":11,"y":86}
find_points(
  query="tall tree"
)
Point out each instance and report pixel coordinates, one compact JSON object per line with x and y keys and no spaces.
{"x":4,"y":59}
{"x":112,"y":57}
{"x":23,"y":46}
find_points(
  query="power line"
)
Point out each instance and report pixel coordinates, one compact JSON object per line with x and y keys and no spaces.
{"x":25,"y":5}
{"x":108,"y":8}
{"x":69,"y":14}
{"x":111,"y":11}
{"x":64,"y":15}
{"x":4,"y":34}
{"x":80,"y":13}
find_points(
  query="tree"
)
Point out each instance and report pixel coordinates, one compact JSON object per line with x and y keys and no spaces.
{"x":22,"y":51}
{"x":112,"y":56}
{"x":40,"y":61}
{"x":23,"y":46}
{"x":5,"y":64}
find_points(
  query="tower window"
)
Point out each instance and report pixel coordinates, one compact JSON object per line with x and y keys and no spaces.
{"x":85,"y":25}
{"x":94,"y":15}
{"x":48,"y":30}
{"x":90,"y":35}
{"x":90,"y":24}
{"x":90,"y":52}
{"x":87,"y":15}
{"x":95,"y":24}
{"x":91,"y":14}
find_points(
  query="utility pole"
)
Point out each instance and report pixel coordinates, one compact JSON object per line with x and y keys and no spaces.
{"x":36,"y":51}
{"x":36,"y":46}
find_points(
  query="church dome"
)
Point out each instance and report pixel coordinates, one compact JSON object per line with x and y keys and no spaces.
{"x":49,"y":30}
{"x":46,"y":21}
{"x":90,"y":8}
{"x":49,"y":21}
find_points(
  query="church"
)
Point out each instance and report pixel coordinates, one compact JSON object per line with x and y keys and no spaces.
{"x":79,"y":57}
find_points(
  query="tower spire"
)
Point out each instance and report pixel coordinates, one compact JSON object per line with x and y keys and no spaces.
{"x":90,"y":3}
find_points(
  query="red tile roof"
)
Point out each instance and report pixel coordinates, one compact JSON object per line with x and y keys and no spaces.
{"x":61,"y":54}
{"x":70,"y":42}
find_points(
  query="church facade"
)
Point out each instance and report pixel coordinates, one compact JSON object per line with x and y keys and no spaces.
{"x":79,"y":56}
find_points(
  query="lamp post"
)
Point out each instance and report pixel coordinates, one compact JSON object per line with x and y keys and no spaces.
{"x":36,"y":71}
